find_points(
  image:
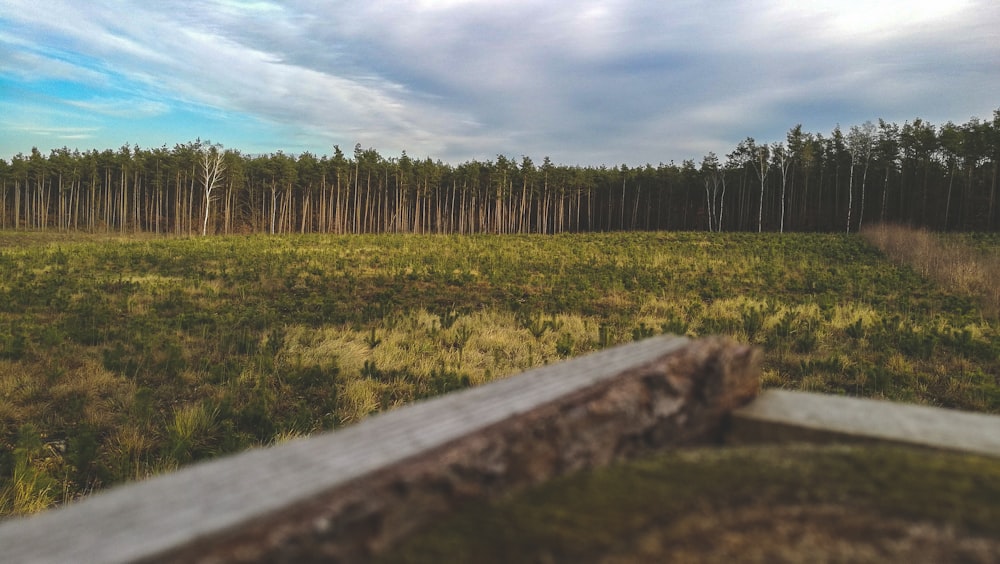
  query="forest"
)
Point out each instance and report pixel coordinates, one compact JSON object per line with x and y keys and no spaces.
{"x":939,"y":177}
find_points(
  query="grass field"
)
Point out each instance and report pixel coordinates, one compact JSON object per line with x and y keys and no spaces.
{"x":121,"y":358}
{"x":800,"y":503}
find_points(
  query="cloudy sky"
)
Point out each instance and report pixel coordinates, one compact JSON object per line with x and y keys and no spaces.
{"x":584,"y":82}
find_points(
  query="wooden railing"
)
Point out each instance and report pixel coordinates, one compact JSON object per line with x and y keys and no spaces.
{"x":783,"y":416}
{"x":353,"y":493}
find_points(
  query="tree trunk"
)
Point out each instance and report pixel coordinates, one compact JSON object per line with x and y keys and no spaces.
{"x":850,"y":196}
{"x":947,"y":204}
{"x":864,"y":180}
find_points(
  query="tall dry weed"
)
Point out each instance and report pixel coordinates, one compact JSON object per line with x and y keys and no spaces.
{"x":950,"y":263}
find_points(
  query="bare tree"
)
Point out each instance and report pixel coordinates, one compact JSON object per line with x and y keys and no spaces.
{"x":715,"y":190}
{"x":860,"y":142}
{"x":759,"y":157}
{"x":212,"y":168}
{"x":783,"y":159}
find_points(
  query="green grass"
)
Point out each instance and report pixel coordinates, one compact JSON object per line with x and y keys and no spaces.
{"x":743,"y":504}
{"x":129,"y":357}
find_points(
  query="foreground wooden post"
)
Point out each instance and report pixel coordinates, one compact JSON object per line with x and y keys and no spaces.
{"x":351,"y":494}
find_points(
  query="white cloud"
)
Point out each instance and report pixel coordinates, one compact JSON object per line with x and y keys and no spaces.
{"x":126,"y":108}
{"x":62,"y":132}
{"x":459,"y":79}
{"x":879,"y":22}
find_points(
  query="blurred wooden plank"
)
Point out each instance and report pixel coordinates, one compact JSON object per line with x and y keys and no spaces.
{"x":785,"y":416}
{"x":373,"y":482}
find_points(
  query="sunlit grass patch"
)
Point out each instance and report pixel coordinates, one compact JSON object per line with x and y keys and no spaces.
{"x":341,"y":345}
{"x":360,"y":398}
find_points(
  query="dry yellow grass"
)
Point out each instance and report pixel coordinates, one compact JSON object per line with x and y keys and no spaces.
{"x":360,"y":399}
{"x":484,"y":345}
{"x":951,"y":264}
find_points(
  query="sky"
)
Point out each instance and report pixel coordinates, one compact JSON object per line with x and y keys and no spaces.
{"x":583,"y":82}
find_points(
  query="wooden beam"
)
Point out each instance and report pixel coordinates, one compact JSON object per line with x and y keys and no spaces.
{"x":784,"y":416}
{"x":350,"y":494}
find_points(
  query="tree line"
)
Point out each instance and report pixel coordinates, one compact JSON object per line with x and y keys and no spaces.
{"x":938,"y":177}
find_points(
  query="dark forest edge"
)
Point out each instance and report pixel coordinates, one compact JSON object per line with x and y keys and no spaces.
{"x":935,"y":177}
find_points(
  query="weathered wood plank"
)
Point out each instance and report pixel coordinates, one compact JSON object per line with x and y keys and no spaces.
{"x":784,"y":416}
{"x":349,"y":494}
